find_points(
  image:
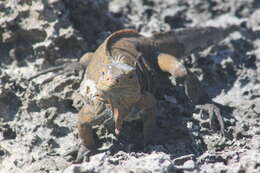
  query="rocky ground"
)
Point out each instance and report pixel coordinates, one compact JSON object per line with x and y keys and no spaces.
{"x":38,"y":117}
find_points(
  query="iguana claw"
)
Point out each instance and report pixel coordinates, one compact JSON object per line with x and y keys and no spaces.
{"x":215,"y":113}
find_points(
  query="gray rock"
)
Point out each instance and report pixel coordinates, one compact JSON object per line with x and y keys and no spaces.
{"x":38,"y":118}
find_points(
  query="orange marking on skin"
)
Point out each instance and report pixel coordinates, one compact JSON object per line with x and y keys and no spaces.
{"x":171,"y":64}
{"x":126,"y":31}
{"x":120,"y":32}
{"x":118,"y":121}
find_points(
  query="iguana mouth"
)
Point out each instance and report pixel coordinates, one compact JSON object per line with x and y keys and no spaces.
{"x":113,"y":87}
{"x":118,"y":93}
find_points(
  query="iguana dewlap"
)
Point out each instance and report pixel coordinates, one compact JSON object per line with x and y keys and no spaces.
{"x":126,"y":69}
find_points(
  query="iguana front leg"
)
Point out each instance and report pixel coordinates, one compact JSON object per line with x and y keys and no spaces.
{"x":85,"y":123}
{"x":193,"y":88}
{"x":89,"y":116}
{"x":147,"y":105}
{"x":118,"y":118}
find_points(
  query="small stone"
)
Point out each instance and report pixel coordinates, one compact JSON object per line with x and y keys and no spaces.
{"x":190,"y":164}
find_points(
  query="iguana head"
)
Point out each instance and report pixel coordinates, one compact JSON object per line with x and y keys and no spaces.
{"x":119,"y":82}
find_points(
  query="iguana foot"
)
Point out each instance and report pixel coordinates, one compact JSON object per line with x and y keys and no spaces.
{"x":84,"y":154}
{"x":215,"y":115}
{"x":148,"y":102}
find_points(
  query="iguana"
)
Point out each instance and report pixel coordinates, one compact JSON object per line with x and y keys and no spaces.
{"x":125,"y":71}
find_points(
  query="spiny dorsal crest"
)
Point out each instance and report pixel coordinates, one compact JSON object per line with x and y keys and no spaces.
{"x":117,"y":59}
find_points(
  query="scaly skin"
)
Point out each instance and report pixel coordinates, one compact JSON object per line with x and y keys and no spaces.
{"x":126,"y":69}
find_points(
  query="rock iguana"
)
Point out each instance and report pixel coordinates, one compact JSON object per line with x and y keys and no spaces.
{"x":126,"y":70}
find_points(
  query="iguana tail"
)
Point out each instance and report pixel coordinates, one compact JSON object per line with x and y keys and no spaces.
{"x":182,"y":42}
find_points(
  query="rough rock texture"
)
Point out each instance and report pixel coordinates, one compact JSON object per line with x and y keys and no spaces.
{"x":38,"y":117}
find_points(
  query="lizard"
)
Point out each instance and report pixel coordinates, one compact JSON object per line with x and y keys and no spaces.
{"x":125,"y":71}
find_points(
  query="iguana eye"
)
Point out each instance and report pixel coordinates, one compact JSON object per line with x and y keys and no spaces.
{"x":103,"y":73}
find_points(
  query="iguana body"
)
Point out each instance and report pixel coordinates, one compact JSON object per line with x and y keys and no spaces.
{"x":125,"y":70}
